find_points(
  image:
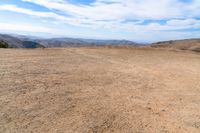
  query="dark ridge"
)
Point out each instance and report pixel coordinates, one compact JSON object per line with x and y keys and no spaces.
{"x":30,"y":44}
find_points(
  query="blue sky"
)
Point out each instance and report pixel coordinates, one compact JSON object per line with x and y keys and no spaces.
{"x":136,"y":20}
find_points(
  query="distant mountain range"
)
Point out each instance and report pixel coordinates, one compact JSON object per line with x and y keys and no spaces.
{"x":19,"y":41}
{"x":14,"y":42}
{"x":65,"y":42}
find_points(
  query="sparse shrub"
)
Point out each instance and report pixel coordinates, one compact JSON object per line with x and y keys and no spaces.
{"x":3,"y":44}
{"x":195,"y":48}
{"x":170,"y":42}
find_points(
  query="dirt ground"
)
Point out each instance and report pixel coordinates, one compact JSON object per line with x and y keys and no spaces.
{"x":99,"y":90}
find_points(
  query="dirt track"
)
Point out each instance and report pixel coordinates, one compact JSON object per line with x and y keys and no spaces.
{"x":99,"y":90}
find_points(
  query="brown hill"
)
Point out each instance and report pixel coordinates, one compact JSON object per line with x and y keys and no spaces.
{"x":14,"y":42}
{"x":189,"y":44}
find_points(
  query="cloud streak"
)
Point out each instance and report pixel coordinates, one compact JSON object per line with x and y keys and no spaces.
{"x":25,"y":27}
{"x":120,"y":9}
{"x":133,"y":16}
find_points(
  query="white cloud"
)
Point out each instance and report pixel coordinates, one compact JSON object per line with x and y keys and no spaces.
{"x":116,"y":15}
{"x":26,"y":27}
{"x":120,"y":9}
{"x":14,"y":8}
{"x":173,"y":24}
{"x":112,"y":14}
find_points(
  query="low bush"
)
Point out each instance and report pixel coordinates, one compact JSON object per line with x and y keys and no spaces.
{"x":3,"y":44}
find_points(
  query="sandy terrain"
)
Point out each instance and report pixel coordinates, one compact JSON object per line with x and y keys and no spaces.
{"x":99,"y":90}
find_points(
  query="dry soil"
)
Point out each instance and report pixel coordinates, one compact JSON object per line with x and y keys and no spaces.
{"x":99,"y":90}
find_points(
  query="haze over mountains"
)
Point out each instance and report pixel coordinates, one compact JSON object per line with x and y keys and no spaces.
{"x":14,"y":42}
{"x":19,"y":41}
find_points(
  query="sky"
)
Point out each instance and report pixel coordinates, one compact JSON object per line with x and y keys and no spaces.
{"x":135,"y":20}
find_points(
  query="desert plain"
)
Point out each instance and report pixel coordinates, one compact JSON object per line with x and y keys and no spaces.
{"x":99,"y":90}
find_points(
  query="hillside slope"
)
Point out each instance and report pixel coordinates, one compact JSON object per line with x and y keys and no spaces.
{"x":188,"y":44}
{"x":14,"y":42}
{"x":20,"y":41}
